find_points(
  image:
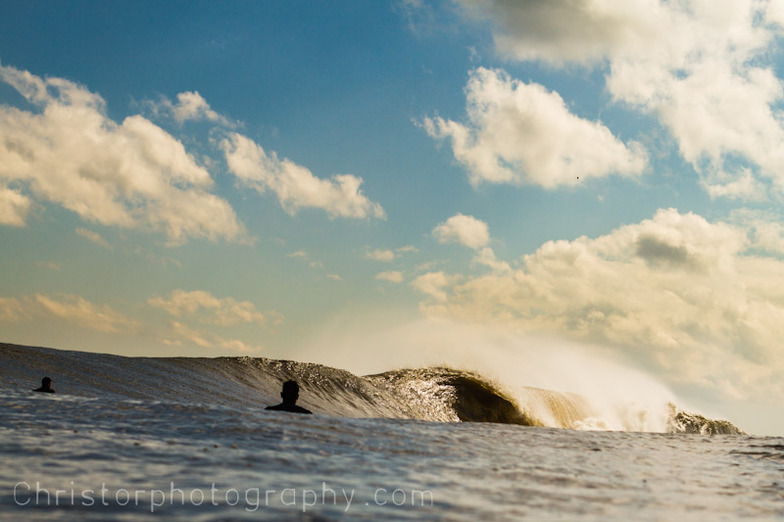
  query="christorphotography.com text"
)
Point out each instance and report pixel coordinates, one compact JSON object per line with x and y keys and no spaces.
{"x":251,"y":499}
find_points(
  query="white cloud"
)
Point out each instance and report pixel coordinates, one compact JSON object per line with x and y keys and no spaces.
{"x":191,"y":106}
{"x":13,"y":309}
{"x":294,"y":185}
{"x":473,"y":233}
{"x":72,"y":308}
{"x":705,"y":69}
{"x":435,"y":284}
{"x":132,"y":175}
{"x":386,"y":254}
{"x":766,"y":229}
{"x":380,"y":255}
{"x":676,"y":293}
{"x":304,"y":256}
{"x":523,"y":133}
{"x":14,"y":207}
{"x":406,"y":249}
{"x":466,"y":230}
{"x":391,"y":276}
{"x":486,"y":256}
{"x":95,"y":237}
{"x":221,"y":311}
{"x":179,"y":333}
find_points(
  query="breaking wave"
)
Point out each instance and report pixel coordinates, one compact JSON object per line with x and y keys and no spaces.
{"x":433,"y":394}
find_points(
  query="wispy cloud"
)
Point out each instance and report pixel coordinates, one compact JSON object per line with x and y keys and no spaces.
{"x":178,"y":334}
{"x":386,"y":254}
{"x":49,"y":265}
{"x":93,"y":236}
{"x":380,"y":255}
{"x":391,"y":276}
{"x":69,"y":307}
{"x":190,"y":106}
{"x":304,"y":256}
{"x":224,"y":311}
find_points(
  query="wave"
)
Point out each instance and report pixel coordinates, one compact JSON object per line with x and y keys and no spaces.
{"x":431,"y":394}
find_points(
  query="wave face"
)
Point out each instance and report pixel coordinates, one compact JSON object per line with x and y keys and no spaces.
{"x":433,"y":394}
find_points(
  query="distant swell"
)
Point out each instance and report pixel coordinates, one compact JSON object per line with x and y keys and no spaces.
{"x":434,"y":394}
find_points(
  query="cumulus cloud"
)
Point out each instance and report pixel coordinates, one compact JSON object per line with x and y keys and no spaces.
{"x":294,"y":185}
{"x":522,"y":133}
{"x":706,"y":70}
{"x":466,"y":230}
{"x":72,"y":308}
{"x":225,"y":311}
{"x":676,"y":293}
{"x":435,"y":284}
{"x":133,"y":174}
{"x":473,"y":233}
{"x":486,"y":256}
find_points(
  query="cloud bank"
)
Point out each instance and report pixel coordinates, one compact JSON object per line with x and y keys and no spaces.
{"x":695,"y":301}
{"x":72,"y":308}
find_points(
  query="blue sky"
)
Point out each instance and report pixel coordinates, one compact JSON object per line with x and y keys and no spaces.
{"x":375,"y":185}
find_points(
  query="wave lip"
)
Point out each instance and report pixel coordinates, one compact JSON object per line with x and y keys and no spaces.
{"x":454,"y":395}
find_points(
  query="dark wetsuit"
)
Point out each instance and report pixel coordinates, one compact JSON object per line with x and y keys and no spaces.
{"x":293,"y":408}
{"x":45,"y":390}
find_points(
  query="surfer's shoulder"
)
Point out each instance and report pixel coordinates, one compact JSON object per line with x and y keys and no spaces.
{"x":292,"y":408}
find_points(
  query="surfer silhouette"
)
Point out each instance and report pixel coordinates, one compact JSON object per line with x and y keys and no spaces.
{"x":46,"y":386}
{"x":290,"y":394}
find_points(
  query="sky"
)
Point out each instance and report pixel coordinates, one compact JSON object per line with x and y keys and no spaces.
{"x":569,"y":194}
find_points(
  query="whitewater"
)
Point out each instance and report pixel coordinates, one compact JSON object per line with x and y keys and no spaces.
{"x":125,"y":437}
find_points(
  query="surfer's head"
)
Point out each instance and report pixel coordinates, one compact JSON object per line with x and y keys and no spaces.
{"x":46,"y":382}
{"x":290,"y":392}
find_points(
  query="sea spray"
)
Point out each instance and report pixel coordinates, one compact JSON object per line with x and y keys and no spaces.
{"x":613,"y":395}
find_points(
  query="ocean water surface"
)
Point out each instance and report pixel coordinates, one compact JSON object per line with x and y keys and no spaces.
{"x":99,"y":454}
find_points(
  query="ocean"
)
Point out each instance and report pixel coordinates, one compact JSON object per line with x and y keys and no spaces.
{"x":127,"y":437}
